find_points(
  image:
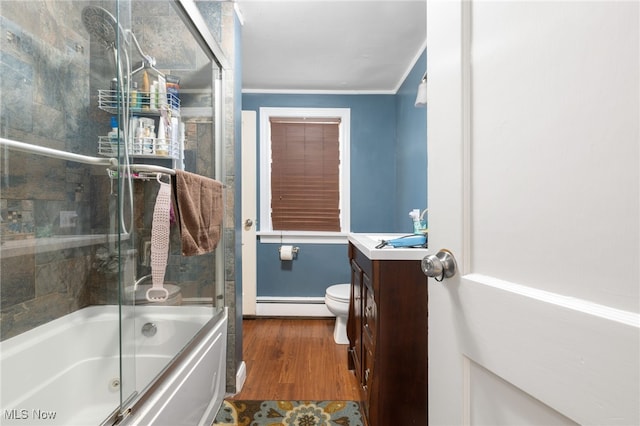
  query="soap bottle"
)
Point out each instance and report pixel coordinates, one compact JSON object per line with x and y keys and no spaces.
{"x":113,"y":92}
{"x":113,"y":136}
{"x":161,"y":148}
{"x":153,"y":96}
{"x":134,"y":97}
{"x":149,"y":140}
{"x":138,"y":141}
{"x":415,"y":216}
{"x":133,"y":125}
{"x":424,"y":225}
{"x":145,"y":90}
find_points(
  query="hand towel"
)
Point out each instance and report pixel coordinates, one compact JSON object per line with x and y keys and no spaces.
{"x":199,"y":207}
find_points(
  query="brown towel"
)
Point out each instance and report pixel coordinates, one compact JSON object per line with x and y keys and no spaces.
{"x":199,"y":204}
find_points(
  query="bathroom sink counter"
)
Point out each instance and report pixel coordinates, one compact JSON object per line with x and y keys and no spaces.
{"x":367,"y":243}
{"x":387,"y":331}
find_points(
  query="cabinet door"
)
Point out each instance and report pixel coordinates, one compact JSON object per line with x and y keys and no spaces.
{"x":369,"y":337}
{"x":354,"y":325}
{"x":368,"y":376}
{"x":370,"y":309}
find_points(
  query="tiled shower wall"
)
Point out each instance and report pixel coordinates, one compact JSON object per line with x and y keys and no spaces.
{"x":44,"y":81}
{"x":220,"y":17}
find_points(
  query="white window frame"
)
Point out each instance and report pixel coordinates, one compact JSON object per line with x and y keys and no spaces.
{"x":266,"y":232}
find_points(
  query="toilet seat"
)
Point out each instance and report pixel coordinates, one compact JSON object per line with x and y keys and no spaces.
{"x":336,"y":299}
{"x":339,"y":292}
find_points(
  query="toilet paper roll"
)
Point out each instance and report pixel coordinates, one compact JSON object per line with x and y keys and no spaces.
{"x":286,"y":253}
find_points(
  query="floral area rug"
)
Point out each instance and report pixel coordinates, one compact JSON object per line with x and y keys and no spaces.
{"x":289,"y":413}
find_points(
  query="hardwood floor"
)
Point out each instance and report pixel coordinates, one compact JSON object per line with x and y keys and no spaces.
{"x":295,"y":359}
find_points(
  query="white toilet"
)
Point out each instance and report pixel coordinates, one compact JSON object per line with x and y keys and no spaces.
{"x":336,"y":299}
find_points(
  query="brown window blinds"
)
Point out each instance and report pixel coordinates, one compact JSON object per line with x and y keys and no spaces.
{"x":305,"y":174}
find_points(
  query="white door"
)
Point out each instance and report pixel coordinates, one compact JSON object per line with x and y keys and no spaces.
{"x":534,"y":156}
{"x":248,"y":212}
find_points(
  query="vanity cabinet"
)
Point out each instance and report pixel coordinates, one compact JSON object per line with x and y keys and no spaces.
{"x":387,"y":330}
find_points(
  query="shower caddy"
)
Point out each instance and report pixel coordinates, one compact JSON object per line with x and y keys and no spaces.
{"x":150,"y":108}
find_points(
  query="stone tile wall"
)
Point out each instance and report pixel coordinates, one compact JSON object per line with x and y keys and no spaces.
{"x":227,"y":42}
{"x":44,"y":81}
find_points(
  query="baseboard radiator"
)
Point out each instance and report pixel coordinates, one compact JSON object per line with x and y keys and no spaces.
{"x":269,"y":306}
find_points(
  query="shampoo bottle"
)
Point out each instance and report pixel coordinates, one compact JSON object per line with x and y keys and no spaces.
{"x":145,"y":90}
{"x":138,"y":141}
{"x":134,"y":97}
{"x":153,"y":96}
{"x":113,"y":136}
{"x":149,"y":140}
{"x":161,"y":141}
{"x":113,"y":92}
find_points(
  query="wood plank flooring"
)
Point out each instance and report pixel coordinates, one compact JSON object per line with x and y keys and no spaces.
{"x":295,"y":359}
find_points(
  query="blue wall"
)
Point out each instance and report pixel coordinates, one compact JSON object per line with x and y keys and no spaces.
{"x":388,"y":179}
{"x":411,"y":149}
{"x":316,"y":266}
{"x":373,"y":145}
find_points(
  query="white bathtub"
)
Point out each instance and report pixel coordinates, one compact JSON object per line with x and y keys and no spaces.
{"x":67,"y":372}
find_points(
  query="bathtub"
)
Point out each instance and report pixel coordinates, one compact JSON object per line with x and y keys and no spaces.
{"x":67,"y":372}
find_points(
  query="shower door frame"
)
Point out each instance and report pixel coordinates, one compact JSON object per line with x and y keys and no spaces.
{"x":133,"y":398}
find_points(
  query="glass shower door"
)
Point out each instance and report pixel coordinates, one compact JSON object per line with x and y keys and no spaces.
{"x":75,"y":237}
{"x":112,"y":56}
{"x":172,"y":112}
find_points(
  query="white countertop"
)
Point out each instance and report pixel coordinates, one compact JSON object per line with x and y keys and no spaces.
{"x":367,"y":243}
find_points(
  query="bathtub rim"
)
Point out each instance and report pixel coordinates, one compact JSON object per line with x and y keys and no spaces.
{"x":136,"y":401}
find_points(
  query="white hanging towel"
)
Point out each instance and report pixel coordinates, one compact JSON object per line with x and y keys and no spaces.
{"x":160,"y":243}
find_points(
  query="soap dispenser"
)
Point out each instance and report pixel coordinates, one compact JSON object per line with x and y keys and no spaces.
{"x":419,"y":222}
{"x":415,"y":217}
{"x":424,"y":223}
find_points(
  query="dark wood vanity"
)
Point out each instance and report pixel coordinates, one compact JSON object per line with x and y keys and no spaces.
{"x":387,"y":330}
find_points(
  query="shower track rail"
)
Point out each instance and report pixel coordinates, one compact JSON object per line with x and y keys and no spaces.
{"x":112,"y":163}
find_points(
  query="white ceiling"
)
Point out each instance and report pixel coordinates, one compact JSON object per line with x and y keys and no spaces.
{"x":341,"y":46}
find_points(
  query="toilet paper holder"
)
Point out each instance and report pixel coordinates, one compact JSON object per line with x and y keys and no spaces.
{"x":289,"y":253}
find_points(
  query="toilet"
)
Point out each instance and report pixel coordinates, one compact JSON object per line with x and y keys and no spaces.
{"x":336,"y":299}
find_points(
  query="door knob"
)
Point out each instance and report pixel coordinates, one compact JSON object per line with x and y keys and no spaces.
{"x":248,"y":223}
{"x":440,"y":265}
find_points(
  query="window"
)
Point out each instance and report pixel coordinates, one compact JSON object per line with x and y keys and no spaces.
{"x":304,"y":187}
{"x":305,"y":174}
